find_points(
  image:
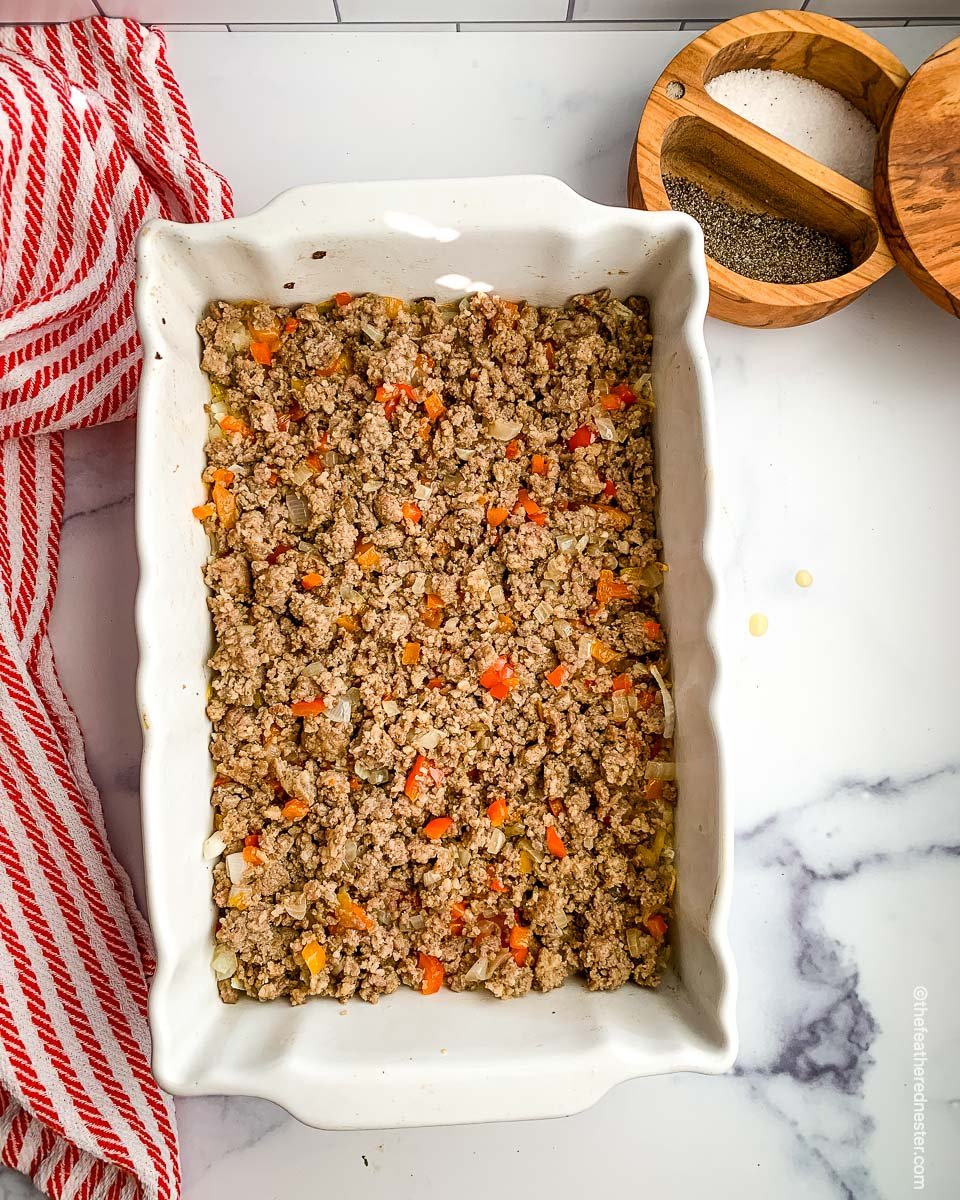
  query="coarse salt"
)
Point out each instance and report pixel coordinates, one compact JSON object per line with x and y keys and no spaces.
{"x":806,"y":115}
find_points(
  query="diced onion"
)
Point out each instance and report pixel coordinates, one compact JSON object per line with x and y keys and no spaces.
{"x":349,"y":593}
{"x":374,"y":775}
{"x":428,"y":740}
{"x":497,"y":840}
{"x":496,"y":595}
{"x":634,"y":942}
{"x":219,"y":408}
{"x":330,"y":459}
{"x":498,"y":963}
{"x":236,"y":867}
{"x":648,"y":576}
{"x":414,"y":922}
{"x":340,"y":711}
{"x":566,"y":542}
{"x":301,"y":473}
{"x":422,"y":491}
{"x":214,"y":846}
{"x":543,"y":612}
{"x":583,"y":542}
{"x":660,"y":770}
{"x":479,"y":972}
{"x":391,"y":708}
{"x":464,"y":453}
{"x":372,"y":485}
{"x":237,"y":335}
{"x":224,"y":962}
{"x":432,"y":877}
{"x":606,"y":428}
{"x":669,"y":709}
{"x":534,"y":851}
{"x":503,"y":431}
{"x":463,"y":854}
{"x":350,"y":851}
{"x":312,"y":670}
{"x":556,"y":569}
{"x":513,"y":830}
{"x":296,"y":907}
{"x":372,"y":333}
{"x":297,"y":509}
{"x":620,"y":706}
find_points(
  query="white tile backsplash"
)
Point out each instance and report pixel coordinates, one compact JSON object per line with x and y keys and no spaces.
{"x":886,"y":8}
{"x":45,"y":10}
{"x":219,"y":11}
{"x":470,"y":14}
{"x":453,"y":10}
{"x":664,"y":10}
{"x":560,"y":26}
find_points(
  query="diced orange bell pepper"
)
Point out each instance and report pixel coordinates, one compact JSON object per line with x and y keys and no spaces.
{"x":294,"y":809}
{"x":410,"y":655}
{"x":350,"y":914}
{"x":315,"y":463}
{"x":422,"y":772}
{"x":261,"y":353}
{"x":621,"y":683}
{"x":308,"y":708}
{"x":348,"y":622}
{"x":519,"y":942}
{"x":315,"y":957}
{"x":367,"y":557}
{"x":496,"y":516}
{"x":497,"y":811}
{"x":437,"y":828}
{"x":559,"y":675}
{"x":494,"y":883}
{"x":653,"y":789}
{"x":411,"y":512}
{"x":539,"y":465}
{"x":652,"y":630}
{"x":433,"y":406}
{"x":512,"y":449}
{"x":435,"y":683}
{"x":533,"y":510}
{"x":342,"y":299}
{"x":657,"y":926}
{"x":203,"y":511}
{"x":555,"y":843}
{"x":231,"y":424}
{"x":310,"y":581}
{"x":584,"y":436}
{"x":291,"y":324}
{"x":432,"y":969}
{"x":458,"y":912}
{"x":602,"y":652}
{"x":222,"y":475}
{"x":609,"y":589}
{"x":226,"y":506}
{"x":499,"y":677}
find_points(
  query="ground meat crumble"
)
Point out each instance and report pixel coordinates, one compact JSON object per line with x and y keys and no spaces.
{"x":437,"y":732}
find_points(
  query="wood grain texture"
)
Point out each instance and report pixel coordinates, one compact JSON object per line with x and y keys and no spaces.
{"x":917,"y":178}
{"x":685,"y":132}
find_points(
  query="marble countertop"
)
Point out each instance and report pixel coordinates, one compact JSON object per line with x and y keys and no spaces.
{"x":839,"y":444}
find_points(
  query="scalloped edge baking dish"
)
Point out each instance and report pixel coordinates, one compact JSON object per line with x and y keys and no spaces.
{"x":451,"y":1058}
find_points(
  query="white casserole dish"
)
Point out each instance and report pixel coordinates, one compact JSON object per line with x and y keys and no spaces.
{"x":413,"y":1060}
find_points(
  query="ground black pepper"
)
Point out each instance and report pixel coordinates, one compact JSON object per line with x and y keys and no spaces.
{"x":770,"y":249}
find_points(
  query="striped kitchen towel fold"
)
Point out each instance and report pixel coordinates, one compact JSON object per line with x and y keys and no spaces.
{"x":94,"y":140}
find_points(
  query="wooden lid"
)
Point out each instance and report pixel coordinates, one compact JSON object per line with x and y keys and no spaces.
{"x":917,"y":178}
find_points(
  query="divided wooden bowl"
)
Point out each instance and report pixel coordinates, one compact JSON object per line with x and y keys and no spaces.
{"x":685,"y":132}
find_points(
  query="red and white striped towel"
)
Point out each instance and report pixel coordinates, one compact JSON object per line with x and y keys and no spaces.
{"x":94,"y":140}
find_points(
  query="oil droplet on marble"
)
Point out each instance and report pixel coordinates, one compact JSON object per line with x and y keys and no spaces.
{"x":758,"y":624}
{"x":803,"y":579}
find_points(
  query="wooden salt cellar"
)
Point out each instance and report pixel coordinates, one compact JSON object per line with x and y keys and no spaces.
{"x":917,"y":178}
{"x":685,"y":132}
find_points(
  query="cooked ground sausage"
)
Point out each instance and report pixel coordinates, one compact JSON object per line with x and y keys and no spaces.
{"x":434,"y":596}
